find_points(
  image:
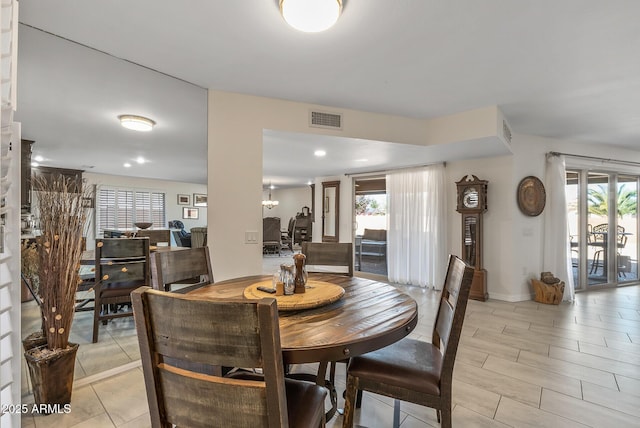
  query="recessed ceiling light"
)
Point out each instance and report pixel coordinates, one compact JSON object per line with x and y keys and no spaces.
{"x":311,"y":16}
{"x":320,"y":153}
{"x":137,"y":123}
{"x":362,"y":160}
{"x":38,"y":158}
{"x":140,"y":160}
{"x":127,"y":165}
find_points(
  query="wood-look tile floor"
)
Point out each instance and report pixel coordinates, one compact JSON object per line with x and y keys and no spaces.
{"x":518,"y":364}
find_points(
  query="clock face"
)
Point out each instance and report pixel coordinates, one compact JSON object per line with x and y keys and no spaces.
{"x":470,"y":198}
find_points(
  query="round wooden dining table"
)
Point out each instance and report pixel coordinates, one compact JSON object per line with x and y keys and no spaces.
{"x":369,"y":316}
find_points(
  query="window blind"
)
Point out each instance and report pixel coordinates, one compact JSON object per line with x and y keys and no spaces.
{"x":120,"y":209}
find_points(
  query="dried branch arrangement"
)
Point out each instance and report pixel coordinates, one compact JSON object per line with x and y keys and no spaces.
{"x":62,"y":223}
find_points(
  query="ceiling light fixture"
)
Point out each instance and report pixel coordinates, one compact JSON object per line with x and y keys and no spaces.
{"x":270,"y":203}
{"x":319,"y":153}
{"x":311,"y":16}
{"x":136,"y":123}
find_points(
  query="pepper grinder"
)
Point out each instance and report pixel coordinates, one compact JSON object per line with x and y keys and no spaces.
{"x":299,"y":279}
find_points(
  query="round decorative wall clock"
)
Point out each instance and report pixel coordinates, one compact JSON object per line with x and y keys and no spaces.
{"x":531,"y":196}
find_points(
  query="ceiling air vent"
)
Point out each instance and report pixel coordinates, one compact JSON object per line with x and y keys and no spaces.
{"x":321,"y":119}
{"x":506,"y":132}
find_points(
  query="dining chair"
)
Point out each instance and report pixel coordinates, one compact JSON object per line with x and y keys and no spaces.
{"x":175,"y":330}
{"x":413,"y":370}
{"x":335,"y":258}
{"x":329,"y":257}
{"x":303,"y":229}
{"x":599,"y":234}
{"x":287,"y":241}
{"x":198,"y":237}
{"x":271,"y":236}
{"x":191,"y":266}
{"x":122,"y":265}
{"x":597,"y":239}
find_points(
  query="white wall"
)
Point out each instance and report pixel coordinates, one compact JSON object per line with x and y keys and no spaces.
{"x":528,"y":232}
{"x":290,"y":200}
{"x":513,"y":241}
{"x":170,"y":188}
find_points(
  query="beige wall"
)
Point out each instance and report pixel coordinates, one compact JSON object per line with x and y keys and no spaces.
{"x":235,"y":127}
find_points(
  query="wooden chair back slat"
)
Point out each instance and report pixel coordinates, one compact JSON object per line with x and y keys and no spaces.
{"x":329,"y":254}
{"x":155,"y":235}
{"x":121,"y":248}
{"x":174,"y":328}
{"x":192,"y":266}
{"x":130,"y":271}
{"x":235,"y":343}
{"x":189,"y":398}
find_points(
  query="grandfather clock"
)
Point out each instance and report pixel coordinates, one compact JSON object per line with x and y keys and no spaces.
{"x":472,"y":203}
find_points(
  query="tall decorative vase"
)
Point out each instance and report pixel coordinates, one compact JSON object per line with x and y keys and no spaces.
{"x":52,"y":374}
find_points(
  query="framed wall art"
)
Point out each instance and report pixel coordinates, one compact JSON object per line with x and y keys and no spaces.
{"x":199,"y":200}
{"x":183,"y":199}
{"x":191,"y":213}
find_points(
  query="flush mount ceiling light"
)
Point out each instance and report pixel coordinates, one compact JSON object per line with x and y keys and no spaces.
{"x":137,"y":123}
{"x":311,"y":16}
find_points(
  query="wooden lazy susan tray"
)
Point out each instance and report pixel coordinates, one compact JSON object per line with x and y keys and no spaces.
{"x":318,"y":293}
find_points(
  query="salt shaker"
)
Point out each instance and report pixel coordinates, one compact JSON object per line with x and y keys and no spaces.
{"x":288,"y":279}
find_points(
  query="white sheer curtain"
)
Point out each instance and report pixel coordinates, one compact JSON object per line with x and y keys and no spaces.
{"x":557,"y":248}
{"x":417,"y":232}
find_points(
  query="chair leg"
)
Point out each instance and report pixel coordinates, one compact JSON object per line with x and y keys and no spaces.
{"x":96,"y":319}
{"x":595,"y":263}
{"x":446,"y":417}
{"x":349,"y":407}
{"x":396,"y":413}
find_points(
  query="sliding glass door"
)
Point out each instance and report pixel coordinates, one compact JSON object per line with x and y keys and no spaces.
{"x":627,"y":233}
{"x":597,"y":227}
{"x":603,"y":227}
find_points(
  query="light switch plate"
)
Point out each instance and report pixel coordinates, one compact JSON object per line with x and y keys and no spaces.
{"x":251,"y":237}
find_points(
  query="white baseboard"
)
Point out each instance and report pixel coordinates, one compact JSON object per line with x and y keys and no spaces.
{"x":511,"y":297}
{"x":106,"y":374}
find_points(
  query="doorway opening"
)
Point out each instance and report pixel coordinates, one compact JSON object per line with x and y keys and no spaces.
{"x":370,"y":210}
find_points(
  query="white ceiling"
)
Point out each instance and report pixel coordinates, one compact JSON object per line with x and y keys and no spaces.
{"x":565,"y":69}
